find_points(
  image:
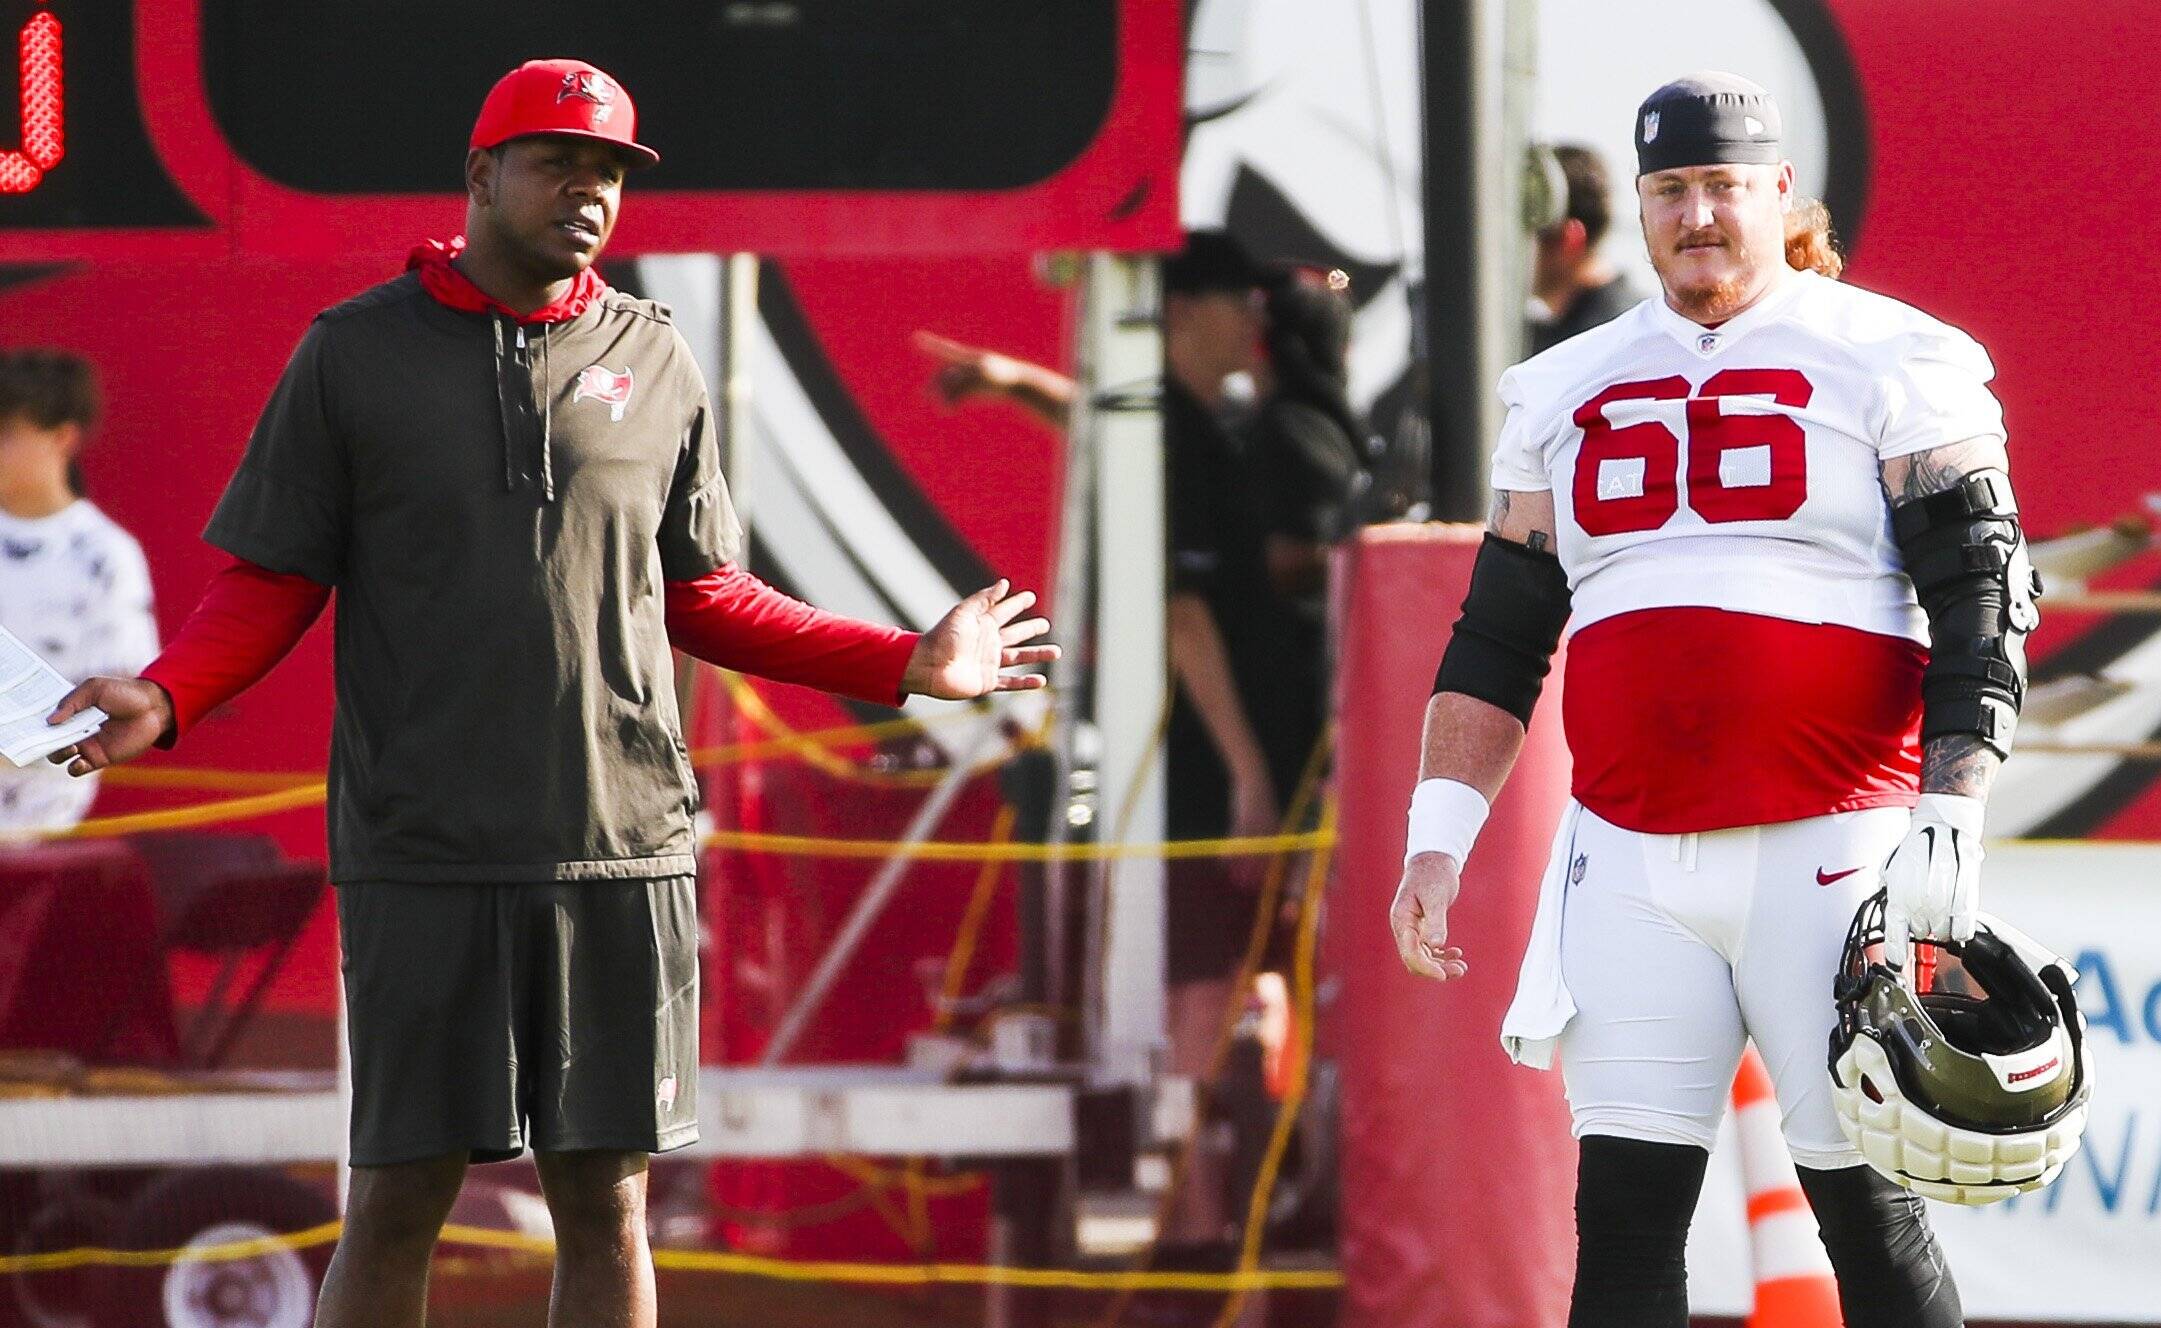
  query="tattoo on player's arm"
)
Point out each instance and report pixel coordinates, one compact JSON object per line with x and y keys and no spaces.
{"x":1939,"y":468}
{"x":1958,"y":763}
{"x":1524,"y":516}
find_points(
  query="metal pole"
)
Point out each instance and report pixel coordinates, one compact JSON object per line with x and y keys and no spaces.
{"x":1119,"y":387}
{"x":740,"y":282}
{"x":873,"y":899}
{"x":1478,"y":62}
{"x":1073,"y":569}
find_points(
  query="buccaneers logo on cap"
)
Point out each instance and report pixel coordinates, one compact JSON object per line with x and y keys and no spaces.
{"x":601,"y":383}
{"x":589,"y":85}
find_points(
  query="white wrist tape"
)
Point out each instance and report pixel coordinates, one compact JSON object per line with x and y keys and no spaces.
{"x":1446,"y":816}
{"x":1962,"y":813}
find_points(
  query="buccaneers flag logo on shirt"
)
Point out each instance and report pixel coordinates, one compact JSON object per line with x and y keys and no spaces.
{"x":601,"y":383}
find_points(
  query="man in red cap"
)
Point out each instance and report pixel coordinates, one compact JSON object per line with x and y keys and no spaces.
{"x":509,"y":474}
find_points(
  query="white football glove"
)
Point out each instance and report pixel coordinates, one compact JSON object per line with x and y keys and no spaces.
{"x":1932,"y":884}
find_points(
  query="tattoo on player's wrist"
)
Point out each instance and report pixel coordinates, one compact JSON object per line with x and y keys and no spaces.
{"x":1958,"y":763}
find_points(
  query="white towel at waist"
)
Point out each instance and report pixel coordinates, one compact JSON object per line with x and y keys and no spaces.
{"x":1542,"y":1007}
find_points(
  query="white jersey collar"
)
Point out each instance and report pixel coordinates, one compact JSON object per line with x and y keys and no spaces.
{"x":1709,"y":342}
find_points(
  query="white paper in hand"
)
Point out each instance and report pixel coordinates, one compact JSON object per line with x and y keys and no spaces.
{"x":29,"y":690}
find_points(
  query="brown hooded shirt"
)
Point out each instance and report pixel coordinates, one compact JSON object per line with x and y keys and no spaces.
{"x":497,"y":506}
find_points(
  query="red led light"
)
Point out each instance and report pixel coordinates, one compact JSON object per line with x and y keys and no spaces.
{"x":44,"y":108}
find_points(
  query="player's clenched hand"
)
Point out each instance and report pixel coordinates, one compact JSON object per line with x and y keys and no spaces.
{"x":138,"y":713}
{"x":1419,"y":917}
{"x":966,"y":654}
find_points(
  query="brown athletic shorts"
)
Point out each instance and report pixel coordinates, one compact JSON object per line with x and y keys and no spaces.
{"x":488,"y":1019}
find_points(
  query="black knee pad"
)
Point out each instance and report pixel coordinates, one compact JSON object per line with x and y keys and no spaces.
{"x":1891,"y":1272}
{"x":1633,"y":1203}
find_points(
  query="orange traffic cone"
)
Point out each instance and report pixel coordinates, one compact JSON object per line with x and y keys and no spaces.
{"x":1794,"y":1285}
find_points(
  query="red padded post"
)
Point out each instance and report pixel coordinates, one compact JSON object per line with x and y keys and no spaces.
{"x":1458,"y":1172}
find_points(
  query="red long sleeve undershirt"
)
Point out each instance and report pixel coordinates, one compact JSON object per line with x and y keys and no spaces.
{"x":731,"y":618}
{"x":250,"y":618}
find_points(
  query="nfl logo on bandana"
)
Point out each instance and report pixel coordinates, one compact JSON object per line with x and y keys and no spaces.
{"x":1650,"y":126}
{"x":606,"y":385}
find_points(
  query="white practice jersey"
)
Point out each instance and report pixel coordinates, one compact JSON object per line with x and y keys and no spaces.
{"x":75,"y":588}
{"x":1746,"y":647}
{"x":1739,"y":468}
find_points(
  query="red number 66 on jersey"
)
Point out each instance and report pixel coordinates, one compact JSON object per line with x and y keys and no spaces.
{"x":1740,"y":467}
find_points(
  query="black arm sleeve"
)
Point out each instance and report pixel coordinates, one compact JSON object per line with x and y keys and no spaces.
{"x":1511,"y":624}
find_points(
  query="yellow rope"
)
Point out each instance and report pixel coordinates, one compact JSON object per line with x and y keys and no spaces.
{"x":749,"y":841}
{"x":96,"y":1256}
{"x":708,"y":1261}
{"x":204,"y":813}
{"x":971,"y":922}
{"x":875,"y":1194}
{"x":914,"y":1178}
{"x":812,"y":846}
{"x":1264,"y":1184}
{"x":215,"y":781}
{"x":818,"y":754}
{"x":267,"y":781}
{"x":1257,"y":935}
{"x":835,"y":736}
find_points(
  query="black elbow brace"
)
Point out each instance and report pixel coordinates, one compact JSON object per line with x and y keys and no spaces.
{"x":1503,"y":644}
{"x":1967,"y":558}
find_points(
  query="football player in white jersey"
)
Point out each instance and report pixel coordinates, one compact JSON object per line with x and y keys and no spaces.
{"x":1774,"y":511}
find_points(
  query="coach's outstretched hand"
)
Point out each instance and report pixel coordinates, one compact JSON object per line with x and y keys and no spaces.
{"x":967,"y":653}
{"x":139,"y":713}
{"x":1419,"y":917}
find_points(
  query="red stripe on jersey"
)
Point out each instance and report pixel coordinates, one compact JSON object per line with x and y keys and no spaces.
{"x":1688,"y":719}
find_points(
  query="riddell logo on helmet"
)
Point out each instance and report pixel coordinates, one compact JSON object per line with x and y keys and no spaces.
{"x":2021,"y":1076}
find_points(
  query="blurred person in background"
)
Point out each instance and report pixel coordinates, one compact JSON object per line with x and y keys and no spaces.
{"x":1221,"y":779}
{"x":1573,"y":287}
{"x":74,"y":586}
{"x":1306,"y":451}
{"x":1796,"y":663}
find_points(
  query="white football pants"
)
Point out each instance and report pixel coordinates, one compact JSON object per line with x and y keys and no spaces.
{"x":1674,"y":948}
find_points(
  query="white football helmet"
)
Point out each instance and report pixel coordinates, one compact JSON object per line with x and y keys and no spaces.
{"x":1965,"y":1077}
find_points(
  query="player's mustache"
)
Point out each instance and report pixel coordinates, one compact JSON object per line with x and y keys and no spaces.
{"x":1707,"y":237}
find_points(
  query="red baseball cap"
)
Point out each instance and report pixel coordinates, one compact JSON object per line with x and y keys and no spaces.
{"x":561,"y":97}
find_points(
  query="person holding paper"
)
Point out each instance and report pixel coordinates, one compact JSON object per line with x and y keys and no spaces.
{"x":509,"y":474}
{"x":74,"y":587}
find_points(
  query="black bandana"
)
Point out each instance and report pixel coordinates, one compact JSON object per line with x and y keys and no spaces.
{"x":1704,"y":120}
